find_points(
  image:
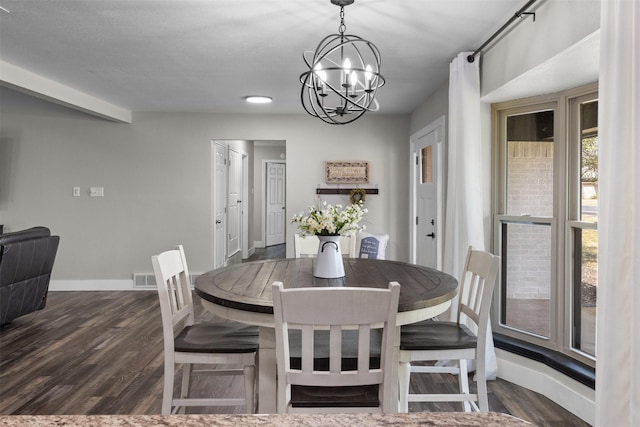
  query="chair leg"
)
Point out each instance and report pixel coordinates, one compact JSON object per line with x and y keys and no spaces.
{"x":256,"y":394}
{"x":186,"y":380}
{"x":167,"y":393}
{"x":481,"y":381}
{"x":404,"y":377}
{"x":186,"y":384}
{"x":463,"y":382}
{"x":249,"y":388}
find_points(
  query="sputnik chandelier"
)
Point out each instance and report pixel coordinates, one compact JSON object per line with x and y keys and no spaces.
{"x":343,"y":76}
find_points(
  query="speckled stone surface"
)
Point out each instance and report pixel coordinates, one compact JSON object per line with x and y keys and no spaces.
{"x":453,"y":419}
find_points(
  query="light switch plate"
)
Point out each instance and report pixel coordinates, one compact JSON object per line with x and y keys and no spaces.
{"x":96,"y":191}
{"x":76,"y":191}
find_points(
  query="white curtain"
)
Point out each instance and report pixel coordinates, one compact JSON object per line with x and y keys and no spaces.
{"x":464,"y":222}
{"x":618,"y":315}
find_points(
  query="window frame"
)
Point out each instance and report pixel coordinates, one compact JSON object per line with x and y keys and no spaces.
{"x":573,"y":214}
{"x":566,"y":165}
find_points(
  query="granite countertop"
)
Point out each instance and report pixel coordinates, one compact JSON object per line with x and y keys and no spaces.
{"x":440,"y":419}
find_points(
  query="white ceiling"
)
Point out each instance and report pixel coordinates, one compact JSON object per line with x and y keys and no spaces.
{"x":206,"y":55}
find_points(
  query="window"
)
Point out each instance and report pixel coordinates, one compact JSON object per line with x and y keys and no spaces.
{"x":583,"y":222}
{"x":545,"y":220}
{"x":427,"y":165}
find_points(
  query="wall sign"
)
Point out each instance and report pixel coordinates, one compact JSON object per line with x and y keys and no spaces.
{"x":347,"y":172}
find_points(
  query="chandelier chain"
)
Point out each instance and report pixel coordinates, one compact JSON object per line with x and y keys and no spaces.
{"x":342,"y":28}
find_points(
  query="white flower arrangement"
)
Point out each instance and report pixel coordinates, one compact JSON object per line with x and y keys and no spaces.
{"x":331,"y":220}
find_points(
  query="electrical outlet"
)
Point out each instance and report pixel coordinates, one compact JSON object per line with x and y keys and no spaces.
{"x":96,"y":191}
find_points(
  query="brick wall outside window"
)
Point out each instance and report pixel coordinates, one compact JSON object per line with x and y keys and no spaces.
{"x":529,"y":192}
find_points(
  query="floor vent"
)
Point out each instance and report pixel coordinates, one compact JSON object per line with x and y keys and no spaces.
{"x":148,"y":280}
{"x":144,"y":281}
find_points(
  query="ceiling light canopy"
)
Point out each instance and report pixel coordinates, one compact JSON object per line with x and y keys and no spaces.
{"x":258,"y":99}
{"x":343,"y":76}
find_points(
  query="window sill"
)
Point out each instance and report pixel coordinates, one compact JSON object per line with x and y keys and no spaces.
{"x":560,"y":362}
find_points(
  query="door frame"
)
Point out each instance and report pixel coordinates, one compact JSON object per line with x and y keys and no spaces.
{"x":264,"y":197}
{"x":214,"y":188}
{"x":244,"y":221}
{"x":244,"y":227}
{"x":240,"y":192}
{"x":438,"y":124}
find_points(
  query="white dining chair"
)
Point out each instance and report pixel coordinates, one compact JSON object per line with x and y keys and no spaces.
{"x":307,"y":246}
{"x":432,"y":340}
{"x":348,"y":246}
{"x":219,"y":345}
{"x":337,"y":326}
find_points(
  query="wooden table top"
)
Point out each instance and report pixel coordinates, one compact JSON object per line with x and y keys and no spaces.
{"x":247,"y":286}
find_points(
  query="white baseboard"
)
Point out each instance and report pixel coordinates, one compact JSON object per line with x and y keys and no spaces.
{"x":107,"y":285}
{"x":575,"y":397}
{"x":258,"y":244}
{"x":93,"y":285}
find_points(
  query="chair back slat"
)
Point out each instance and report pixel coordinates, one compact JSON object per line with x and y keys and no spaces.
{"x":335,"y":349}
{"x":308,"y":343}
{"x":364,"y":342}
{"x":475,"y":292}
{"x":471,"y":297}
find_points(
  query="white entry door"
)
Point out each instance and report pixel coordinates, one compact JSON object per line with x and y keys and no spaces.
{"x":275,"y":203}
{"x":427,"y":147}
{"x":234,"y":202}
{"x":219,"y":204}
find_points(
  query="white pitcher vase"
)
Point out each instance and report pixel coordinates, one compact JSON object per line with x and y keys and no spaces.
{"x":328,"y":263}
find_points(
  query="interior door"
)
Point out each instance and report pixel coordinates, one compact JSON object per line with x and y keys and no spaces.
{"x":234,"y":202}
{"x":275,"y":203}
{"x":219,"y":204}
{"x":427,"y":176}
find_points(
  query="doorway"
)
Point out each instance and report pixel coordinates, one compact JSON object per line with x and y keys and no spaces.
{"x":234,"y":202}
{"x":269,"y":183}
{"x":426,"y":189}
{"x":238,"y":201}
{"x":275,"y":214}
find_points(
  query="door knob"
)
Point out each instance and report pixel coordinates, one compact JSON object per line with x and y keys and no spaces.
{"x":218,"y":221}
{"x":432,"y":235}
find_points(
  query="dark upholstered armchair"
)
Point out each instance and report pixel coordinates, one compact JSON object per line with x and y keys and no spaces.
{"x":26,"y":261}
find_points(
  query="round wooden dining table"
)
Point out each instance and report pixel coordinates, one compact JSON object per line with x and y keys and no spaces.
{"x":242,"y":292}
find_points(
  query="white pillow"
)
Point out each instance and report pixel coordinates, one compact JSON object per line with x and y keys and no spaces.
{"x":371,"y":245}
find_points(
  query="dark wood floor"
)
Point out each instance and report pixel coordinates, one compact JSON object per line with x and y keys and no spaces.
{"x":101,"y":353}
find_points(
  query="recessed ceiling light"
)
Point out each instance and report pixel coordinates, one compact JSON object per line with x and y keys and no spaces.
{"x":255,"y":99}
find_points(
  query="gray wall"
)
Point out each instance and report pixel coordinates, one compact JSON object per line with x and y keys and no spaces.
{"x":434,"y":107}
{"x":541,"y":57}
{"x":156,"y":174}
